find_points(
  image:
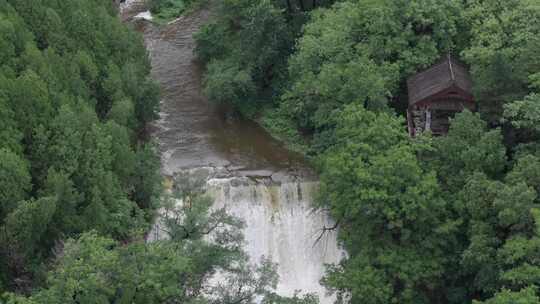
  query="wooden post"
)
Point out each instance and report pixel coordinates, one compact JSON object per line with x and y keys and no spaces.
{"x":428,"y":119}
{"x":410,"y":123}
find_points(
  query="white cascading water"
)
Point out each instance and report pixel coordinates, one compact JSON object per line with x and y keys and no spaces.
{"x":282,"y":224}
{"x":246,"y":171}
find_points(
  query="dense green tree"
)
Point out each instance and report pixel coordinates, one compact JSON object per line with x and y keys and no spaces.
{"x":359,"y":51}
{"x":429,"y":220}
{"x":392,"y":218}
{"x":14,"y":181}
{"x":123,"y":162}
{"x":502,"y":53}
{"x":451,"y":219}
{"x":245,"y":48}
{"x":525,"y":296}
{"x":469,"y":147}
{"x":146,"y":102}
{"x":227,"y":82}
{"x":167,"y":10}
{"x":20,"y":239}
{"x":496,"y":215}
{"x":75,"y":96}
{"x":29,"y":99}
{"x":183,"y":267}
{"x":147,"y":178}
{"x":67,"y":218}
{"x":123,"y":113}
{"x":523,"y":115}
{"x":10,"y":135}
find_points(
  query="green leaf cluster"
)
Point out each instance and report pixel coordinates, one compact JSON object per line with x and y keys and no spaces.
{"x":75,"y":98}
{"x":449,"y":219}
{"x":198,"y":260}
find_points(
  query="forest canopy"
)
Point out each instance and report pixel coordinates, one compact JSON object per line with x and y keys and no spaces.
{"x":80,"y":184}
{"x":75,"y":98}
{"x":452,"y":219}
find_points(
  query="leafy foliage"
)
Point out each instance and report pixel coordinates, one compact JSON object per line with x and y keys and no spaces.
{"x":359,"y":51}
{"x":198,"y":261}
{"x":452,"y":219}
{"x":245,"y":48}
{"x":431,"y":220}
{"x":167,"y":10}
{"x":74,"y":98}
{"x":390,"y":210}
{"x":502,"y":54}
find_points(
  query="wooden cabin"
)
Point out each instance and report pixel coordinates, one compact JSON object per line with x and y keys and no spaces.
{"x":436,"y":95}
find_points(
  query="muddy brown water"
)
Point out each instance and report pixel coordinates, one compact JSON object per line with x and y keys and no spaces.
{"x":191,"y":131}
{"x":280,"y":220}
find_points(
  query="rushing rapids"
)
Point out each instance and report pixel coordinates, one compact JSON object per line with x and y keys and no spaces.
{"x":246,"y":171}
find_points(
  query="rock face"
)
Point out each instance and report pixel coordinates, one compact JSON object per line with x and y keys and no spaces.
{"x":131,"y":8}
{"x":243,"y":168}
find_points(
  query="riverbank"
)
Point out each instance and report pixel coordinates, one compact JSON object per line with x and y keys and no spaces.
{"x":247,"y":171}
{"x":160,"y":12}
{"x":192,"y":131}
{"x":269,"y":121}
{"x":165,"y":11}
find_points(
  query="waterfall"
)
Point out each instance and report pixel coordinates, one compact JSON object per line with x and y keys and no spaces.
{"x":246,"y":171}
{"x":282,"y":224}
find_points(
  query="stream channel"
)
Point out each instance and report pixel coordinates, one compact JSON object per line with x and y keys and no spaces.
{"x":246,"y":171}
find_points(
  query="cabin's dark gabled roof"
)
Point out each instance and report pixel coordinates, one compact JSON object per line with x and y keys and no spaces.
{"x":446,"y":74}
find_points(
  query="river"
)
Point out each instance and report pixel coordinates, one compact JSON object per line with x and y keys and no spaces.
{"x":245,"y":169}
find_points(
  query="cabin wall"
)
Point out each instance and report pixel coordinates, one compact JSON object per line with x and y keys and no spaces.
{"x":435,"y":115}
